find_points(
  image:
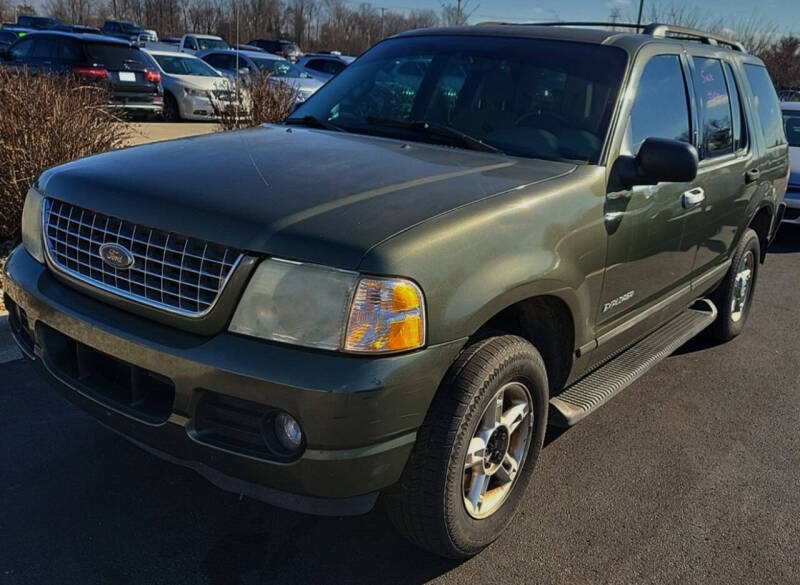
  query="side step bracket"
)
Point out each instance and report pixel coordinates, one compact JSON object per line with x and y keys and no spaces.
{"x":592,"y":391}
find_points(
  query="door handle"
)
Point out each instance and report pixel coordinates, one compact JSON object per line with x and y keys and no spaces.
{"x":752,"y":175}
{"x":693,"y":197}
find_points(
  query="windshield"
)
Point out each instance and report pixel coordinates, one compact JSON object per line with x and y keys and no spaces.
{"x":526,"y":97}
{"x":127,"y":27}
{"x":185,"y":66}
{"x":791,"y":122}
{"x":279,"y":68}
{"x":206,"y":44}
{"x":116,"y":56}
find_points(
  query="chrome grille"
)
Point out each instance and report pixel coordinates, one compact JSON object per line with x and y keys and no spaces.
{"x":170,"y":271}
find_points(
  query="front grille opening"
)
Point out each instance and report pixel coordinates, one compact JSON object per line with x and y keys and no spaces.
{"x":20,"y":327}
{"x":141,"y":393}
{"x":169,"y":271}
{"x":238,"y":425}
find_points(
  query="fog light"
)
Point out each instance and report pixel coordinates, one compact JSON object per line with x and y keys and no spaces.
{"x":288,"y":431}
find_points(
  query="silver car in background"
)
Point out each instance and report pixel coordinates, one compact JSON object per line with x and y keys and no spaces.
{"x":193,"y":90}
{"x":247,"y":64}
{"x":324,"y":65}
{"x":791,"y":123}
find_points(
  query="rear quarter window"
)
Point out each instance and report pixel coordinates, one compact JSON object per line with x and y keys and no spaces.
{"x":766,"y":105}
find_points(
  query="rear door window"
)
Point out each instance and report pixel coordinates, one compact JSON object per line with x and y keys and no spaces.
{"x":739,"y":121}
{"x":116,"y":56}
{"x":766,"y":104}
{"x":44,"y":49}
{"x":716,"y":124}
{"x":67,"y":50}
{"x":661,"y":108}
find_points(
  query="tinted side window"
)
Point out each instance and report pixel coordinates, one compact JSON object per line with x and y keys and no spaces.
{"x":766,"y":105}
{"x":43,"y":49}
{"x":22,"y":49}
{"x":716,"y":128}
{"x":317,"y":65}
{"x":739,"y":122}
{"x":335,"y":67}
{"x":215,"y":60}
{"x":660,"y":109}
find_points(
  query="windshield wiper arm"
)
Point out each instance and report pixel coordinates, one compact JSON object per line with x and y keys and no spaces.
{"x":435,"y":129}
{"x":314,"y":122}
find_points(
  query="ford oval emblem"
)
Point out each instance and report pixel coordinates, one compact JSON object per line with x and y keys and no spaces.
{"x":116,"y":256}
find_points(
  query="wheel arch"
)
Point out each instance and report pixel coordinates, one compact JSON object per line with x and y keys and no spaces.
{"x":761,"y":223}
{"x":547,"y":321}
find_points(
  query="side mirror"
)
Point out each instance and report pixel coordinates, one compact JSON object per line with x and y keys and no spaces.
{"x":244,"y":71}
{"x":660,"y":160}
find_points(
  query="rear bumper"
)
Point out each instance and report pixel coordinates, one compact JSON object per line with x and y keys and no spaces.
{"x":359,"y":415}
{"x":136,"y":101}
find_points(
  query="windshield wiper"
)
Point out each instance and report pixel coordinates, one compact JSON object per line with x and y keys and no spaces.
{"x":434,"y":129}
{"x":314,"y":122}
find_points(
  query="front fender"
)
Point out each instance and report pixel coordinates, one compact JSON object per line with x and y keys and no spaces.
{"x":482,"y":258}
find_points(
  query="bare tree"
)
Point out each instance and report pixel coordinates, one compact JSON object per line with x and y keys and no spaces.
{"x":76,"y":11}
{"x":25,"y":9}
{"x":783,"y":61}
{"x":457,"y":14}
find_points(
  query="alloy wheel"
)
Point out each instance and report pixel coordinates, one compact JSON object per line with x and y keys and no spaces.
{"x":742,"y":285}
{"x":497,"y":450}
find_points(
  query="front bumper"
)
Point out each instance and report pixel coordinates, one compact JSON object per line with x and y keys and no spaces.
{"x":359,"y":414}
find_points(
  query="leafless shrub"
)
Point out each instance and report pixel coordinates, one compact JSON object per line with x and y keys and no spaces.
{"x":783,"y":61}
{"x":263,"y":101}
{"x":47,"y":120}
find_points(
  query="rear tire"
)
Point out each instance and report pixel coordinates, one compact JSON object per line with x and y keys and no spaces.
{"x":171,"y":111}
{"x":476,"y":450}
{"x":734,"y":296}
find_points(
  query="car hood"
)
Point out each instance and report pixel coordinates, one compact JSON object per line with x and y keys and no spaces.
{"x":297,"y":193}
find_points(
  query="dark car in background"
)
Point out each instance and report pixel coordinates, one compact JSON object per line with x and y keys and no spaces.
{"x":791,"y":124}
{"x":134,"y":84}
{"x":121,"y":29}
{"x":38,"y":22}
{"x":280,"y":47}
{"x":78,"y":28}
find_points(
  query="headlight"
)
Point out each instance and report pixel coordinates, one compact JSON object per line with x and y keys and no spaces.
{"x":196,"y":92}
{"x":32,"y":239}
{"x":296,"y":303}
{"x":387,"y":315}
{"x":326,"y":308}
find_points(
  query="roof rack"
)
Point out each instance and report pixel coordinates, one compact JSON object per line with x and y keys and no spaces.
{"x":654,"y":29}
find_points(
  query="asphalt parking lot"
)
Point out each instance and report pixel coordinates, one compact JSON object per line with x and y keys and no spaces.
{"x":691,"y":475}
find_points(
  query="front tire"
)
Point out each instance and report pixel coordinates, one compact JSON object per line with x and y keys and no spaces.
{"x":476,"y":450}
{"x":734,"y":296}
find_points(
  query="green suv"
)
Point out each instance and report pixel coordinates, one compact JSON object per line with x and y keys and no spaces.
{"x":467,"y":235}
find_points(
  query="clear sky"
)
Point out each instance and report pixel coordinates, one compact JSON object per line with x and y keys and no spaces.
{"x":785,"y":14}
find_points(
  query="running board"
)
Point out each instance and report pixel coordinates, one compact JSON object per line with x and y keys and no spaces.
{"x":592,"y":391}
